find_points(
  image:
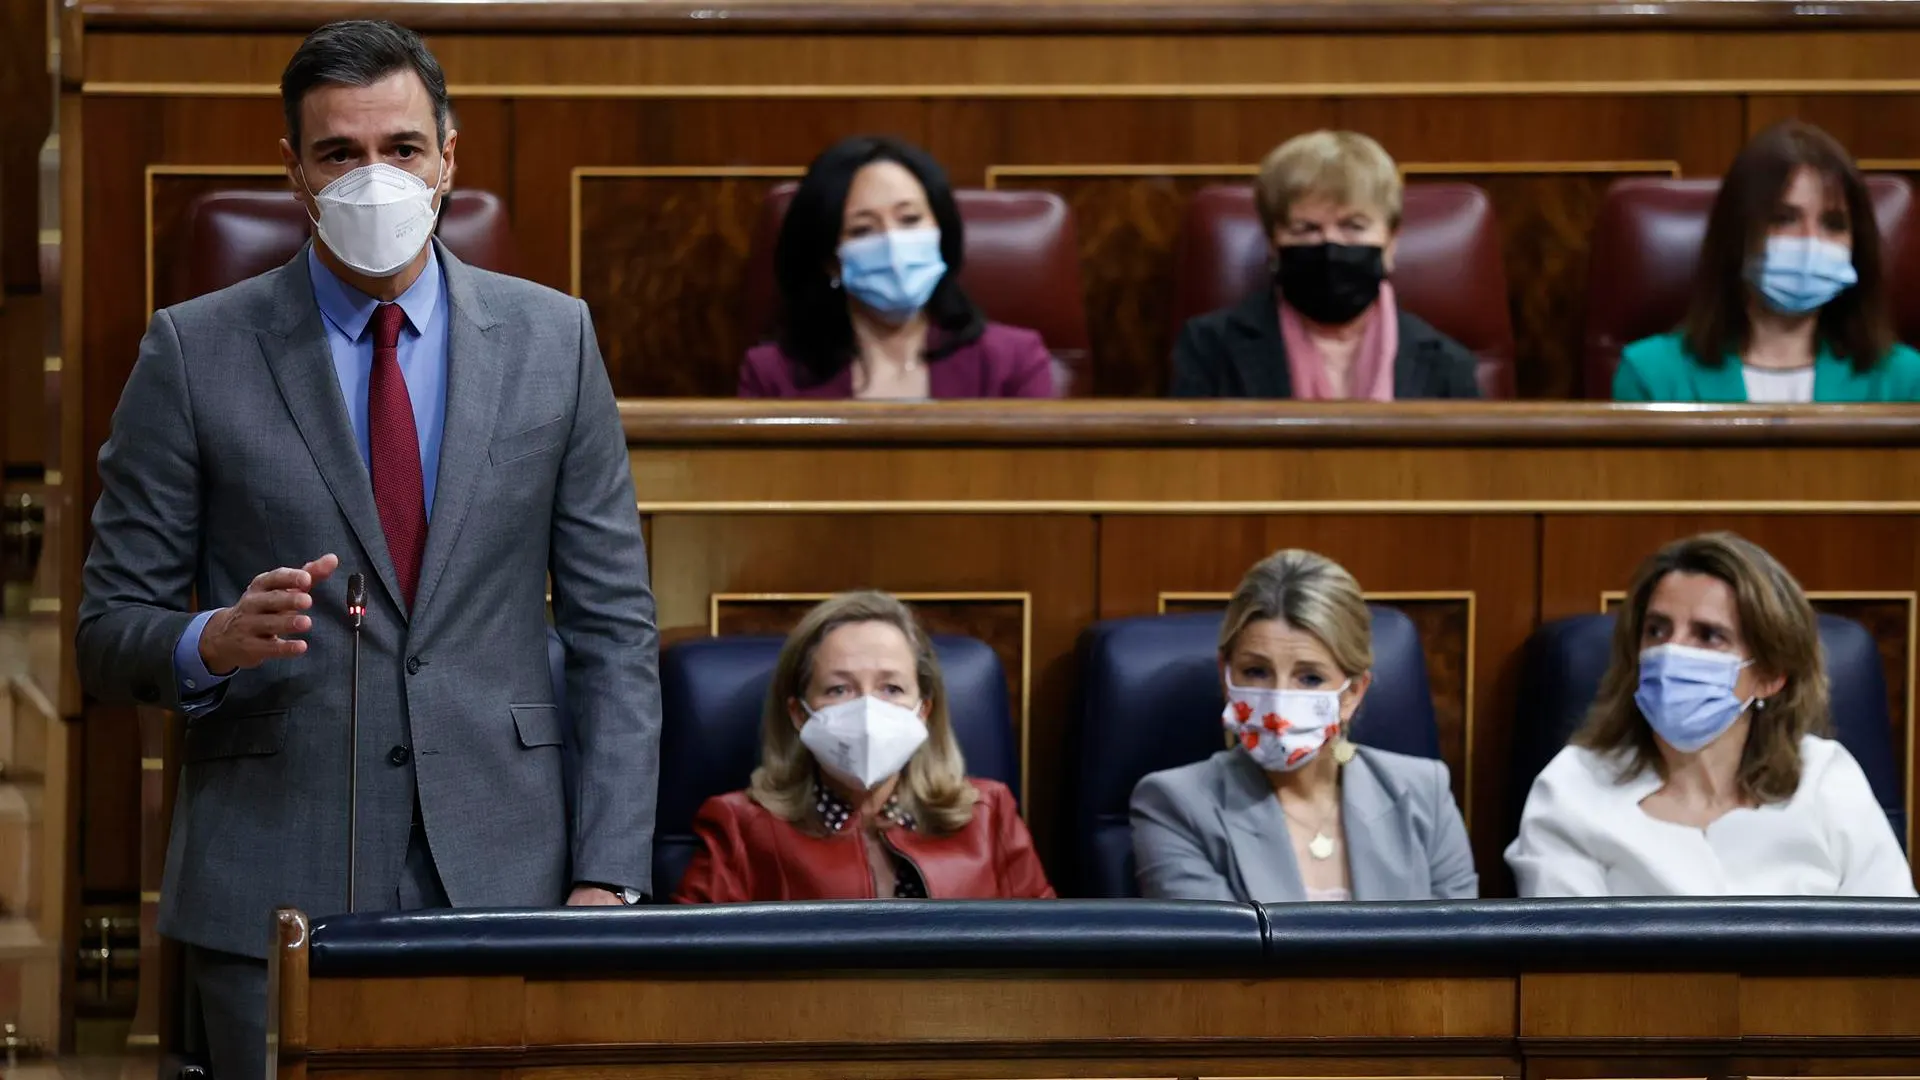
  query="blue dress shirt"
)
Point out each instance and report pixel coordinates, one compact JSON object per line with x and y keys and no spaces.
{"x":346,"y":314}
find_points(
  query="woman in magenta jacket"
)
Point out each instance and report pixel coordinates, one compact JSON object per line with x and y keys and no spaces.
{"x":868,"y":265}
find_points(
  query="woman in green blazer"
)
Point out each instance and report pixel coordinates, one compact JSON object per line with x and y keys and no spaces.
{"x":1789,"y":305}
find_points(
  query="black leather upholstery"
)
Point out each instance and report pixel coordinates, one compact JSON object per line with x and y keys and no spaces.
{"x":1746,"y":934}
{"x":1565,"y":660}
{"x":1743,"y":935}
{"x":961,"y":934}
{"x":1150,"y":700}
{"x":713,"y":690}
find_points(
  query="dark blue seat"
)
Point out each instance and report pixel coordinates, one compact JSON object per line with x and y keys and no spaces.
{"x":1150,"y":700}
{"x":714,"y":689}
{"x":1565,"y":660}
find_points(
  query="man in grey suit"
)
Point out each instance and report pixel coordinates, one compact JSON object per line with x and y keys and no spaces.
{"x":377,"y":407}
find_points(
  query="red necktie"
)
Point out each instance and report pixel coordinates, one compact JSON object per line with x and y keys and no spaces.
{"x":395,"y":460}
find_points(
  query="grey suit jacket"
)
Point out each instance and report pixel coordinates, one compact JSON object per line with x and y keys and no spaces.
{"x":1214,"y":831}
{"x":231,"y":454}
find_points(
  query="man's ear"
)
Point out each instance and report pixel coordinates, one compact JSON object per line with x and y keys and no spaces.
{"x":296,"y":180}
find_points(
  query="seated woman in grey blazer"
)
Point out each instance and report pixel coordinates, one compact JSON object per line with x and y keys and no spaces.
{"x":1291,"y":810}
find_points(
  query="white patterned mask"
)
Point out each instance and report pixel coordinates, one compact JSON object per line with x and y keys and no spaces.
{"x":1282,"y":730}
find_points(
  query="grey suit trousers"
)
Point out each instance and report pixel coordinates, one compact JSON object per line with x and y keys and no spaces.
{"x":226,"y":996}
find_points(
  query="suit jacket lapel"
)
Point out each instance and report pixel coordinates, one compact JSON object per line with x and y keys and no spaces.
{"x":296,"y":350}
{"x":1257,"y":351}
{"x":1256,"y":829}
{"x":1377,"y":849}
{"x":474,"y":371}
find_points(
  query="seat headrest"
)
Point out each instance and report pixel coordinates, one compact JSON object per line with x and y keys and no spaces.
{"x":713,"y":691}
{"x":1151,"y":700}
{"x":1565,"y":660}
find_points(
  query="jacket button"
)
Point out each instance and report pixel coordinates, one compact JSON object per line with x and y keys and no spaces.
{"x":399,"y":755}
{"x":413,"y":665}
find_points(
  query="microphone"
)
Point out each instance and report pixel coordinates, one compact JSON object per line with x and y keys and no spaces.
{"x":357,"y":610}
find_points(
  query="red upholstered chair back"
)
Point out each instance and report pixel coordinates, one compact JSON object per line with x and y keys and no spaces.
{"x":1447,"y":269}
{"x":1646,"y":247}
{"x":233,"y":235}
{"x":1022,"y":268}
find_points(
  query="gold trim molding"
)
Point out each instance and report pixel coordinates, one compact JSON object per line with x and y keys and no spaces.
{"x":1278,"y":506}
{"x":1024,"y":599}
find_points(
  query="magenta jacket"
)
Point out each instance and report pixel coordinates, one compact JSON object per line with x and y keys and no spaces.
{"x":1003,"y":362}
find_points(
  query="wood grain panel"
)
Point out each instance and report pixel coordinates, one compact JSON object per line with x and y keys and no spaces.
{"x":1631,"y":1005}
{"x":551,"y":138}
{"x":967,"y":1007}
{"x":1491,"y":557}
{"x":662,"y":259}
{"x":1000,"y":622}
{"x":1856,"y":554}
{"x":26,"y":117}
{"x":1128,"y":226}
{"x":1547,"y":163}
{"x":1049,"y":557}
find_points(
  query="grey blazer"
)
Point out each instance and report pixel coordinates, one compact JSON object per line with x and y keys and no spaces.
{"x":231,"y":454}
{"x":1214,"y":831}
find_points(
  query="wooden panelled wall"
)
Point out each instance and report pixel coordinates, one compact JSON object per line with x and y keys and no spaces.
{"x":634,"y":159}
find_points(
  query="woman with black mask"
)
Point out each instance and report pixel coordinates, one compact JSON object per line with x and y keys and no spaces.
{"x":1329,"y":202}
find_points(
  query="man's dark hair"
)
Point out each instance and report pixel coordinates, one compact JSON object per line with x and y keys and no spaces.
{"x":359,"y":52}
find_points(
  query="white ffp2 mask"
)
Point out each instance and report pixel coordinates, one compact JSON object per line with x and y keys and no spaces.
{"x":376,"y":218}
{"x":863,"y":741}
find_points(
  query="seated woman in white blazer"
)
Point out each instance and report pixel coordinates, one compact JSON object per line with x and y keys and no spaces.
{"x":1702,"y":770}
{"x":1292,"y":811}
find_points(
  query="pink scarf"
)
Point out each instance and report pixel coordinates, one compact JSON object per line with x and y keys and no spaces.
{"x":1370,"y":379}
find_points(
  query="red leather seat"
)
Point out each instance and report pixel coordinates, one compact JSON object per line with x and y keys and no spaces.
{"x":1447,"y":267}
{"x":233,"y":235}
{"x":1646,"y":248}
{"x":1022,"y":268}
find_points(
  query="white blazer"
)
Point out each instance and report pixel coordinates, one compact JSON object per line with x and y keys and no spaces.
{"x":1583,"y":833}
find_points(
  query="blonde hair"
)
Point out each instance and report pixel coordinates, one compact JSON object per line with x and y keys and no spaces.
{"x":1782,"y":636}
{"x":933,"y":786}
{"x":1342,"y":166}
{"x":1310,"y":592}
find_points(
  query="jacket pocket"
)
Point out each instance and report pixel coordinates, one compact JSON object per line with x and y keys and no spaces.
{"x":521,"y":444}
{"x":253,"y":735}
{"x":539,"y":725}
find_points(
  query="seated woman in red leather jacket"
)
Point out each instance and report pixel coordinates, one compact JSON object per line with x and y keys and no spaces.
{"x":861,"y":791}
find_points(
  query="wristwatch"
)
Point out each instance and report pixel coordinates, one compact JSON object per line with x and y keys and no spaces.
{"x":629,"y":897}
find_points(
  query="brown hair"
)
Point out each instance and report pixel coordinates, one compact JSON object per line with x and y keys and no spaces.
{"x":933,"y":786}
{"x":1344,"y":166}
{"x":1782,"y":638}
{"x":1854,"y":325}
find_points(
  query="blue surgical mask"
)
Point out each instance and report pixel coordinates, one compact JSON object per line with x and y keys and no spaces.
{"x":1798,"y":274}
{"x":1687,"y":695}
{"x":893,"y":273}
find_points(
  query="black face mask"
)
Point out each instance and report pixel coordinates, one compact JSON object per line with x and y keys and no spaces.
{"x":1330,"y":283}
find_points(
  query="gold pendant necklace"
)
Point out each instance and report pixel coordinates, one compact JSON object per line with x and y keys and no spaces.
{"x":1321,"y":846}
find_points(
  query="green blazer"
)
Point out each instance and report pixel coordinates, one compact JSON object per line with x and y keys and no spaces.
{"x":1659,"y":368}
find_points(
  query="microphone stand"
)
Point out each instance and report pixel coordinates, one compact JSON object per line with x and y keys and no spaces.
{"x":357,"y":608}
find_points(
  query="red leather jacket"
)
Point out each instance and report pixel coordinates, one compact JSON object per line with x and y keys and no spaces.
{"x":749,"y":854}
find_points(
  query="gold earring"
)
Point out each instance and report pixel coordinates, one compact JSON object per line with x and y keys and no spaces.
{"x":1342,"y":749}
